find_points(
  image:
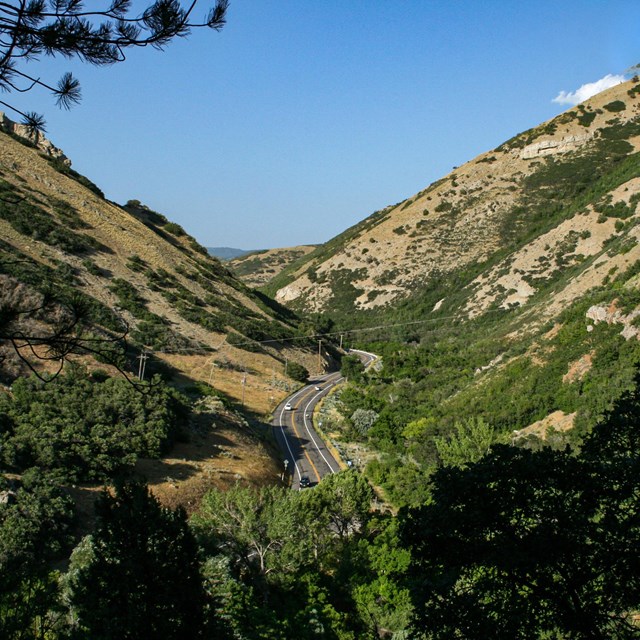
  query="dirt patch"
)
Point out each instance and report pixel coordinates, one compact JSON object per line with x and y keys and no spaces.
{"x":218,"y":459}
{"x":579,"y":368}
{"x":558,"y":421}
{"x":254,"y":381}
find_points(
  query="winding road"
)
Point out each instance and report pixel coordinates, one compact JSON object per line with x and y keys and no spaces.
{"x":305,"y":452}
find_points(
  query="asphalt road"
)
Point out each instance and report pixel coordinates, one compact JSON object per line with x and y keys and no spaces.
{"x":304,"y":451}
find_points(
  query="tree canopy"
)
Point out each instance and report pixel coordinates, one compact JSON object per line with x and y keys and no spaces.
{"x":530,"y":543}
{"x":138,"y":575}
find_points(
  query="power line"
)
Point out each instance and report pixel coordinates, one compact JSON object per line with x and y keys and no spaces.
{"x":318,"y":336}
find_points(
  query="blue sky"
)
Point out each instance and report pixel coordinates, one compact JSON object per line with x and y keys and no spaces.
{"x":302,"y":117}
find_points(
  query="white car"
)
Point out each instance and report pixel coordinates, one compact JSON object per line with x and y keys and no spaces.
{"x":288,"y":407}
{"x":317,"y":388}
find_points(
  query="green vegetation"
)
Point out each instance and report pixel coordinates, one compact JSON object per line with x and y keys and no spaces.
{"x":36,"y":518}
{"x":137,"y":575}
{"x":444,"y":206}
{"x":616,"y":106}
{"x":547,"y":533}
{"x":297,"y":372}
{"x":175,"y":229}
{"x":53,"y":227}
{"x":79,"y":428}
{"x":66,"y":170}
{"x":515,"y":542}
{"x":437,"y":375}
{"x":586,"y":118}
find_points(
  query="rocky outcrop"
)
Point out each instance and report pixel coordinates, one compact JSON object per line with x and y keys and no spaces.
{"x":615,"y":316}
{"x":551,"y":147}
{"x":43,"y":144}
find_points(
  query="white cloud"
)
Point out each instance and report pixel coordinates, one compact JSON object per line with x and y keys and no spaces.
{"x":587,"y":90}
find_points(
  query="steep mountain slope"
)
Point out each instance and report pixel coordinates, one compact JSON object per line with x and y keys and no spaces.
{"x":504,"y":299}
{"x":558,"y":199}
{"x":257,"y":268}
{"x":62,"y":241}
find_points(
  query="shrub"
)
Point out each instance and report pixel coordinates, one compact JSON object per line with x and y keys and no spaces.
{"x":136,"y":263}
{"x":586,"y":118}
{"x":175,"y":229}
{"x":615,"y":106}
{"x":82,"y":428}
{"x":297,"y":372}
{"x":444,"y":206}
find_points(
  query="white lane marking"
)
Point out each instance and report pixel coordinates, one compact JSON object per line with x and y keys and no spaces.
{"x":286,"y":441}
{"x":284,"y":434}
{"x":311,"y":435}
{"x":292,"y":397}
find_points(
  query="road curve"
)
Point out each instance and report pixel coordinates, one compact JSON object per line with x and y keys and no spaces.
{"x":305,"y":454}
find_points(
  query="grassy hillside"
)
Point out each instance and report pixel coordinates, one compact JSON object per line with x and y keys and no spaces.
{"x":87,"y":283}
{"x":129,"y":265}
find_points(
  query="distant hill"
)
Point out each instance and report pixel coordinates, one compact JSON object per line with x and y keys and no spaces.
{"x":227,"y":253}
{"x":258,"y":268}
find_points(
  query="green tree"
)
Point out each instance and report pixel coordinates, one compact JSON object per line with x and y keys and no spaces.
{"x":343,"y":500}
{"x":297,"y":372}
{"x":257,"y":529}
{"x":363,"y":420}
{"x":382,"y":601}
{"x":352,"y":368}
{"x":35,"y":529}
{"x":471,"y":440}
{"x":138,"y":575}
{"x":81,"y":428}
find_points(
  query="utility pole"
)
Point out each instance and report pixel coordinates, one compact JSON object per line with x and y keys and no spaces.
{"x":341,"y":336}
{"x":320,"y":356}
{"x":143,"y":364}
{"x":286,"y":464}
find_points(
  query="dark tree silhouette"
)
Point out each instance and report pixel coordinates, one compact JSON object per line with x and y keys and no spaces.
{"x":523,"y":544}
{"x":99,"y":35}
{"x":141,"y":578}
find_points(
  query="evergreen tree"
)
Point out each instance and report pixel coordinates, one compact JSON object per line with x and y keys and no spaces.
{"x":139,"y":578}
{"x":100,"y":35}
{"x":35,"y":523}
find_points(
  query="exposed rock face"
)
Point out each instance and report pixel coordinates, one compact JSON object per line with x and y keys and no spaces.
{"x":42,"y":143}
{"x":615,"y":316}
{"x":551,"y":147}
